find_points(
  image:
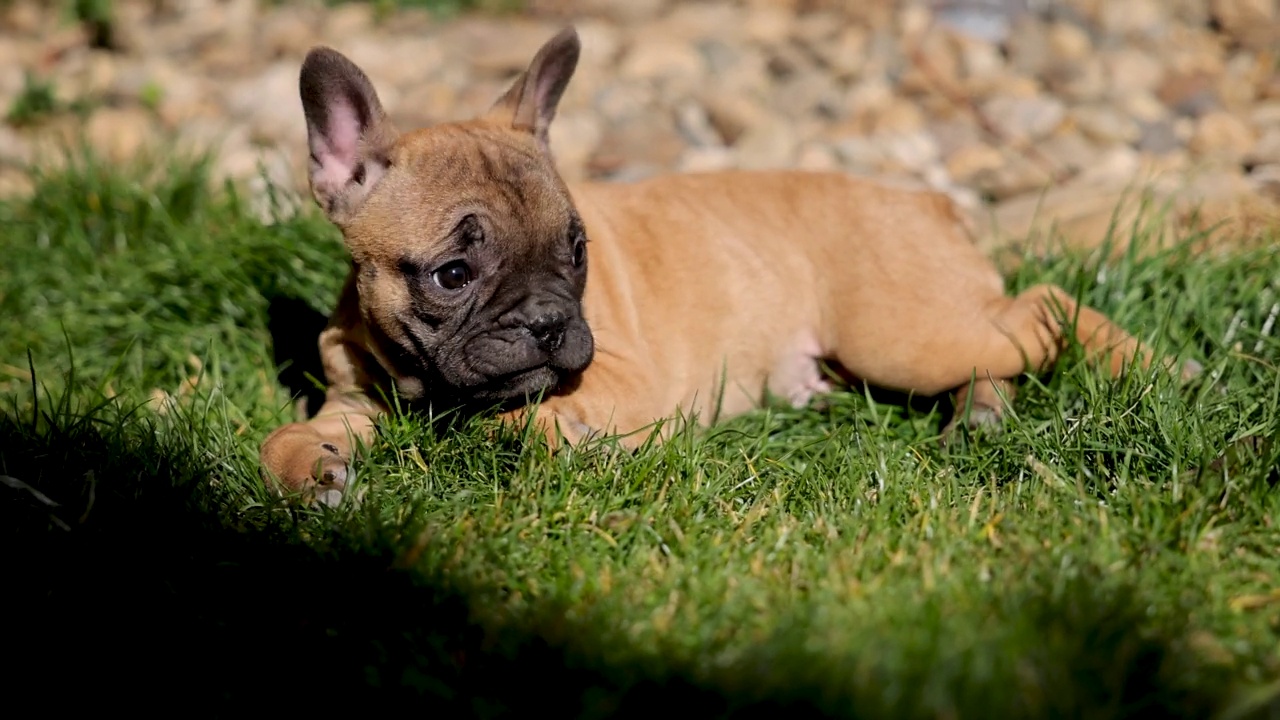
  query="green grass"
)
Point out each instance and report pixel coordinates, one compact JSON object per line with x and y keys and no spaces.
{"x":1111,"y":554}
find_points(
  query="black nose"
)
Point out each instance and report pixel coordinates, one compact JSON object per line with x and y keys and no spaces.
{"x":548,"y":330}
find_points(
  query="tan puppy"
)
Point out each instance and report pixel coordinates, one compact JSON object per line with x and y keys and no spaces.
{"x":469,"y":284}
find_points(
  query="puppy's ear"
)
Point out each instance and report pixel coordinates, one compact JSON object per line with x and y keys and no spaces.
{"x":347,"y":131}
{"x":530,"y":103}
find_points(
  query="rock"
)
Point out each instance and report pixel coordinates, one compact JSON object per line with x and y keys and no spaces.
{"x":650,"y":143}
{"x":14,"y":149}
{"x":1143,"y":107}
{"x":1222,"y":135}
{"x":1067,"y":43}
{"x":280,"y":118}
{"x":817,"y":157}
{"x":1028,"y":47}
{"x":1131,"y":70}
{"x":1266,"y":151}
{"x":1083,"y":212}
{"x":769,"y":145}
{"x":632,"y":11}
{"x":1158,"y":138}
{"x":1025,"y":119}
{"x":732,"y":115}
{"x":658,"y":59}
{"x":1253,"y":24}
{"x":1071,"y":152}
{"x":1082,"y":81}
{"x":286,"y":33}
{"x":705,"y":159}
{"x":1105,"y":124}
{"x":119,"y":134}
{"x":14,"y":183}
{"x":1265,"y":115}
{"x":910,"y":151}
{"x":1266,"y":180}
{"x":1016,"y":176}
{"x":845,"y":55}
{"x":767,"y":24}
{"x":1192,"y":94}
{"x":1133,"y":19}
{"x":345,"y":21}
{"x":574,"y":138}
{"x":396,"y":63}
{"x":694,"y":125}
{"x":624,"y":101}
{"x":968,"y":164}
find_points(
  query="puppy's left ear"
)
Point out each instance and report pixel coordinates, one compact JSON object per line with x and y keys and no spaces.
{"x":530,"y":103}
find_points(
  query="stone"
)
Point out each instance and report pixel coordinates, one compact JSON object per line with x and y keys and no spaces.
{"x":767,"y":24}
{"x":1253,"y":24}
{"x":1222,"y":135}
{"x":1266,"y":151}
{"x":1192,"y":94}
{"x":573,"y":138}
{"x":817,"y":157}
{"x":1158,"y":138}
{"x":654,"y":59}
{"x":1082,"y":81}
{"x":650,"y":143}
{"x":1105,"y":124}
{"x":845,"y":55}
{"x":271,"y":105}
{"x":286,"y":33}
{"x":1134,"y":18}
{"x":694,"y":125}
{"x":14,"y":149}
{"x":732,"y":115}
{"x":1266,"y":180}
{"x":1131,"y":70}
{"x":968,"y":163}
{"x":344,"y":21}
{"x":1025,"y":119}
{"x":119,"y":134}
{"x":769,"y":145}
{"x":706,"y":159}
{"x":1068,"y":43}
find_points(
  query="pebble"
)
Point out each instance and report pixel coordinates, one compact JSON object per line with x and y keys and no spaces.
{"x":1098,"y":89}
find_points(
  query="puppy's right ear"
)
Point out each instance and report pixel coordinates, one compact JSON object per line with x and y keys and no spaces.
{"x":348,"y":133}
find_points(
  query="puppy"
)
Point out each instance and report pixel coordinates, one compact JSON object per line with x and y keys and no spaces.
{"x":479,"y":278}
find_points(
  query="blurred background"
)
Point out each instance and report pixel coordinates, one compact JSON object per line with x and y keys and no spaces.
{"x":1022,"y":110}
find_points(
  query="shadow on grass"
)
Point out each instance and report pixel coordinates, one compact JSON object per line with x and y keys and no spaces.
{"x":143,"y":583}
{"x":295,"y":329}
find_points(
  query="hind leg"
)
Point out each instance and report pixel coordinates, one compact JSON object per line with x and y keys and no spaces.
{"x":980,"y":404}
{"x":1027,"y":333}
{"x":1037,"y":321}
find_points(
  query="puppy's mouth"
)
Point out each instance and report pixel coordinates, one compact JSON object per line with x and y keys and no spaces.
{"x":521,"y":385}
{"x":498,"y":369}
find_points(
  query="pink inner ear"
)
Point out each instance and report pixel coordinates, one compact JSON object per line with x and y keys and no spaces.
{"x":339,"y":143}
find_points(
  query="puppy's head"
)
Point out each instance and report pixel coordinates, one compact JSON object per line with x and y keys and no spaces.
{"x":470,"y":257}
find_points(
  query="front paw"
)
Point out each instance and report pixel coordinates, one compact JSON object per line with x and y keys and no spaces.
{"x":297,"y":459}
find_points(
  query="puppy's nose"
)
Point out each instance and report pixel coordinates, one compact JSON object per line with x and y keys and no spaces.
{"x":548,"y":330}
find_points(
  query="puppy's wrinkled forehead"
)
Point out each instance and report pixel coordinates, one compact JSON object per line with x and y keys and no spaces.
{"x":439,"y":175}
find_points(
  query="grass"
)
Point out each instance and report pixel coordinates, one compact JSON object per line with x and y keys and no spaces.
{"x":1111,"y":554}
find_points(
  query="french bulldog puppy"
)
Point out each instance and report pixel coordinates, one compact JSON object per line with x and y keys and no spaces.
{"x":478,"y":278}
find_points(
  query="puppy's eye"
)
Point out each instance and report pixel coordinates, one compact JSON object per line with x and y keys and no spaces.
{"x":579,"y":252}
{"x":454,"y":276}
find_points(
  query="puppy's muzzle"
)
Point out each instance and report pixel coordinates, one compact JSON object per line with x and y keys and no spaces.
{"x":548,"y":330}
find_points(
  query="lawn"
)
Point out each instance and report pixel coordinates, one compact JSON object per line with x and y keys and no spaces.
{"x":1111,"y":553}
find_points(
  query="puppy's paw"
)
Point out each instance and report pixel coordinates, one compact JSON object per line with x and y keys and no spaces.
{"x":1189,"y":371}
{"x":297,"y":459}
{"x":980,"y":419}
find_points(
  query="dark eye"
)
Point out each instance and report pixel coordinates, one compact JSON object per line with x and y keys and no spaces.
{"x":454,"y":276}
{"x":579,"y":251}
